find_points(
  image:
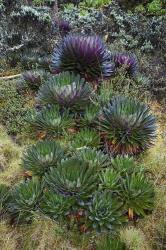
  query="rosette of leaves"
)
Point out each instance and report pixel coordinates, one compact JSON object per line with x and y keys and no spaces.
{"x":51,"y":120}
{"x":66,"y":90}
{"x":73,"y":177}
{"x":126,"y":60}
{"x":63,"y":26}
{"x":33,"y":79}
{"x":4,"y":198}
{"x":55,"y":205}
{"x":93,"y":157}
{"x":25,"y":200}
{"x":41,"y":156}
{"x":86,"y":138}
{"x":137,"y":194}
{"x":104,"y":212}
{"x":127,"y":126}
{"x":90,"y":115}
{"x":84,"y":55}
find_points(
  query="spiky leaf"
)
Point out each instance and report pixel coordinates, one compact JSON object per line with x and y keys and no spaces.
{"x":66,"y":90}
{"x":127,"y":126}
{"x":83,"y":55}
{"x":73,"y":177}
{"x":41,"y":156}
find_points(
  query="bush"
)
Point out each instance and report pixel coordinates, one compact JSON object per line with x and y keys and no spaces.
{"x":14,"y":108}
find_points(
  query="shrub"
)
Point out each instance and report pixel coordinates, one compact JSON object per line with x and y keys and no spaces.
{"x":14,"y":108}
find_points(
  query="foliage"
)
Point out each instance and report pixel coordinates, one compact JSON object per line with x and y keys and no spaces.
{"x":56,"y":206}
{"x":156,"y":7}
{"x":72,"y":177}
{"x":13,"y":108}
{"x":33,"y":79}
{"x":40,"y":157}
{"x":66,"y":90}
{"x":91,"y":62}
{"x":128,"y":61}
{"x":127,"y":127}
{"x":129,"y":182}
{"x":96,"y":3}
{"x":86,"y":138}
{"x":25,"y":200}
{"x":51,"y":120}
{"x":108,"y":243}
{"x":4,"y":197}
{"x":137,"y":193}
{"x":93,"y":157}
{"x":104,"y":212}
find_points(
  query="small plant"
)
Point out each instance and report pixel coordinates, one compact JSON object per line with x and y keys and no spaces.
{"x":40,"y":157}
{"x":33,"y":79}
{"x":82,"y":55}
{"x":104,"y":212}
{"x":66,"y":90}
{"x":108,"y":243}
{"x":25,"y":200}
{"x":137,"y":194}
{"x":51,"y":120}
{"x":56,"y":206}
{"x":128,"y":61}
{"x":127,"y":126}
{"x":89,"y":116}
{"x":72,"y":177}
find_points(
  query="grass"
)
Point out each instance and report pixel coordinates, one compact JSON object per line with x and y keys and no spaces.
{"x":10,"y":155}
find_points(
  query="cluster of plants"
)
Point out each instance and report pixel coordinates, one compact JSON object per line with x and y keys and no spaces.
{"x":82,"y":171}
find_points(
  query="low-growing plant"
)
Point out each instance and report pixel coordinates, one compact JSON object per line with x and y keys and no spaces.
{"x":13,"y":108}
{"x":40,"y":157}
{"x":51,"y":120}
{"x":66,"y":90}
{"x":25,"y":200}
{"x":127,"y":126}
{"x":86,"y":138}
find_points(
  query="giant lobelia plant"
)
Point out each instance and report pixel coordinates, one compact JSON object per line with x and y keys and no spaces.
{"x":76,"y":178}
